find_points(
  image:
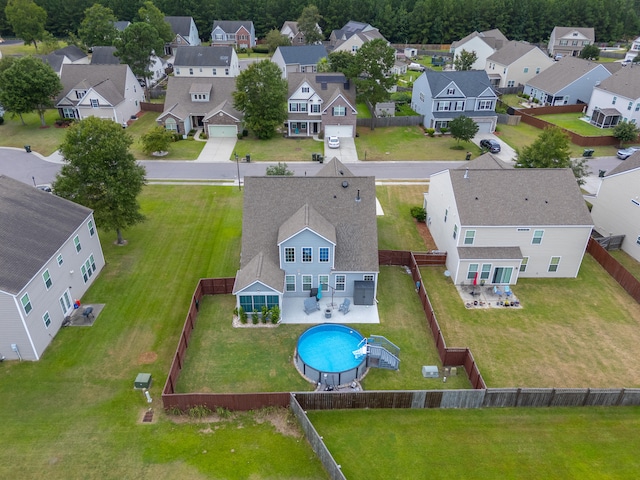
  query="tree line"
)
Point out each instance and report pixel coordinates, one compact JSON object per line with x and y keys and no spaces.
{"x":400,"y":21}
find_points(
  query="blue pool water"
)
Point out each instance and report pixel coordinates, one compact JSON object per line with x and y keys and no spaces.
{"x":329,"y":348}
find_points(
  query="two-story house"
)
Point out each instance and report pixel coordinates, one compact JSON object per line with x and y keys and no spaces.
{"x":50,"y":255}
{"x":484,"y":44}
{"x":206,"y":62}
{"x":302,"y":233}
{"x":321,"y":102}
{"x":616,"y":99}
{"x":103,"y":91}
{"x":303,"y":59}
{"x":239,"y":34}
{"x":616,"y":207}
{"x":352,"y":36}
{"x":443,"y":96}
{"x":515,"y":64}
{"x":634,"y":51}
{"x":106,"y":56}
{"x":569,"y":41}
{"x":206,"y":103}
{"x":185,"y":33}
{"x":64,"y":56}
{"x":498,"y":223}
{"x":292,"y":32}
{"x":568,"y":81}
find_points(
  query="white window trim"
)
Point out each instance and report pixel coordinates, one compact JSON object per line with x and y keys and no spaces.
{"x":310,"y":282}
{"x":534,"y":237}
{"x":551,"y":264}
{"x":286,"y":284}
{"x":285,"y":255}
{"x":47,"y":273}
{"x":302,"y":250}
{"x":343,"y":283}
{"x":24,"y":305}
{"x":328,"y":255}
{"x":46,"y":316}
{"x":467,"y":237}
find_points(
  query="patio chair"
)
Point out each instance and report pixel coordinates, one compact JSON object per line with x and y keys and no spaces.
{"x":344,"y":306}
{"x":311,"y":305}
{"x":507,"y":291}
{"x":497,"y":291}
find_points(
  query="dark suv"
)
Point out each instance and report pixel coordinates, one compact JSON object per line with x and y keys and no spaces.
{"x":490,"y":145}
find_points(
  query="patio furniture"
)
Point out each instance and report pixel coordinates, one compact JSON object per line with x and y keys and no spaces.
{"x":311,"y":305}
{"x":507,"y":291}
{"x":344,"y":306}
{"x":88,"y":313}
{"x":497,"y":291}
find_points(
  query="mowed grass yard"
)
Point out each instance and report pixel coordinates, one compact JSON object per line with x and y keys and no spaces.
{"x":573,"y":123}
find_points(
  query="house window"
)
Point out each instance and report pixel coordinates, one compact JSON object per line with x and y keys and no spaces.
{"x":323,"y":282}
{"x":177,"y":71}
{"x":537,"y":70}
{"x":459,"y":105}
{"x":455,"y":232}
{"x":421,"y":97}
{"x":485,"y":105}
{"x":191,"y":71}
{"x":92,"y":230}
{"x":469,"y":237}
{"x":46,"y":319}
{"x":637,"y":107}
{"x":486,"y":271}
{"x":60,"y":260}
{"x":502,"y":275}
{"x":613,"y":100}
{"x":65,"y":302}
{"x":306,"y":283}
{"x":354,"y":48}
{"x":80,"y":94}
{"x":638,"y":240}
{"x":68,"y":113}
{"x":630,"y":106}
{"x":170,"y":124}
{"x":473,"y":271}
{"x":339,"y":111}
{"x":443,"y":106}
{"x":315,"y":108}
{"x":553,"y":265}
{"x":367,"y":278}
{"x":446,"y":213}
{"x":451,"y":91}
{"x":511,"y":83}
{"x":76,"y":242}
{"x":46,"y":277}
{"x":307,"y":255}
{"x":26,"y":303}
{"x":341,"y":281}
{"x":226,"y":71}
{"x":574,"y":42}
{"x":88,"y":268}
{"x":564,"y":42}
{"x":523,"y":265}
{"x":537,"y":237}
{"x":94,"y":103}
{"x":290,"y":281}
{"x":289,"y":254}
{"x":305,"y":89}
{"x":526,"y":70}
{"x":323,"y":254}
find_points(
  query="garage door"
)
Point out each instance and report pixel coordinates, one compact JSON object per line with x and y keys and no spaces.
{"x":485,"y":126}
{"x":338,"y":131}
{"x":219,"y":131}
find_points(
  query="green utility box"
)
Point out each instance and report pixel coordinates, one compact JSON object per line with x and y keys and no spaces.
{"x":143,"y":380}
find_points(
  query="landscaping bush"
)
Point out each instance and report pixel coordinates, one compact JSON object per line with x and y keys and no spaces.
{"x":419,"y":213}
{"x":275,"y":314}
{"x":430,"y":131}
{"x":444,"y":130}
{"x":260,"y":49}
{"x":255,"y":318}
{"x":265,"y":314}
{"x":401,"y":98}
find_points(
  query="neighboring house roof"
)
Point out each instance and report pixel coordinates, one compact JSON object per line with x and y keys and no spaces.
{"x":631,"y":163}
{"x":104,"y":56}
{"x":345,"y":202}
{"x":121,"y":25}
{"x":110,"y":81}
{"x":293,"y":26}
{"x":54,"y":61}
{"x":303,"y":55}
{"x":364,"y":31}
{"x":512,"y":51}
{"x":72,"y":52}
{"x":472,"y":82}
{"x":518,"y":196}
{"x":562,"y":73}
{"x":486,"y":161}
{"x":588,"y":32}
{"x":229,"y":26}
{"x":625,"y":82}
{"x":35,"y":224}
{"x":178,"y":100}
{"x":203,"y":56}
{"x":494,"y":38}
{"x":180,"y":25}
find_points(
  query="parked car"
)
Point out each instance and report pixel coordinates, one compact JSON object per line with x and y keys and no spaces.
{"x":626,"y":62}
{"x":416,"y":67}
{"x":625,"y":153}
{"x":490,"y":145}
{"x":334,"y":142}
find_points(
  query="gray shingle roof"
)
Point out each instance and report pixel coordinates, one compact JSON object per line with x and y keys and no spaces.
{"x":494,"y":38}
{"x":306,"y":217}
{"x":489,"y":253}
{"x":53,"y":60}
{"x":335,"y":85}
{"x":270,"y":201}
{"x":104,"y":56}
{"x":230,"y":26}
{"x":588,"y":32}
{"x":471,"y":82}
{"x":179,"y":25}
{"x":631,"y":163}
{"x":625,"y":82}
{"x":35,"y":225}
{"x":72,"y":52}
{"x":511,"y":52}
{"x":260,"y":269}
{"x":485,"y":161}
{"x":303,"y":55}
{"x":562,"y":73}
{"x":203,"y":56}
{"x":109,"y":80}
{"x":519,"y":196}
{"x":121,"y":25}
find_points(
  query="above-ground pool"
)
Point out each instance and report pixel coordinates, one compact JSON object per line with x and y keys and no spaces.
{"x":325,"y":354}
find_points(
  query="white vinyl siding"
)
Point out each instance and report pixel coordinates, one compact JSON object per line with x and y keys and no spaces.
{"x":26,"y":303}
{"x":341,"y":283}
{"x":290,"y":281}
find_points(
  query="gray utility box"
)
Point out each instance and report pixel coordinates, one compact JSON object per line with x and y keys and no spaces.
{"x":430,"y":371}
{"x":143,"y":380}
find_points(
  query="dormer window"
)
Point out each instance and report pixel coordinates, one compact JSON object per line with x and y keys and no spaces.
{"x":80,"y":94}
{"x":94,"y":103}
{"x":200,"y":97}
{"x":305,"y":89}
{"x":451,"y":91}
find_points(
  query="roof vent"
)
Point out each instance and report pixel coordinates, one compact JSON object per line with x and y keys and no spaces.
{"x":358,"y":197}
{"x":345,"y":184}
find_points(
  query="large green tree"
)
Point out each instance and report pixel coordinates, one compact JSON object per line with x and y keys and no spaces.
{"x":100,"y":173}
{"x":28,"y":84}
{"x":465,"y":60}
{"x":152,"y":15}
{"x":343,"y":62}
{"x":135,"y":47}
{"x":626,"y":132}
{"x":97,"y":28}
{"x":261,"y":93}
{"x":374,"y":61}
{"x":308,"y":24}
{"x":27,"y":20}
{"x":463,"y":128}
{"x":590,"y":52}
{"x":275,"y":39}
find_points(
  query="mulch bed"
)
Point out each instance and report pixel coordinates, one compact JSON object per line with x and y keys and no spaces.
{"x":424,"y":232}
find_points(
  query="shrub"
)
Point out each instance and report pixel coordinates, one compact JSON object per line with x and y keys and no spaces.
{"x":177,"y":137}
{"x":444,"y":130}
{"x":419,"y":213}
{"x":265,"y":313}
{"x":430,"y":131}
{"x":275,"y":314}
{"x":260,"y":49}
{"x":244,"y":318}
{"x":199,"y":411}
{"x":255,"y":318}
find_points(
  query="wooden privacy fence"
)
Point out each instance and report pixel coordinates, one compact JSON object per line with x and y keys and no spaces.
{"x":615,"y":269}
{"x":151,"y":107}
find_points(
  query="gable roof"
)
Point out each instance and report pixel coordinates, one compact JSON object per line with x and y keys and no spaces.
{"x":121,"y":25}
{"x":72,"y":52}
{"x":260,"y":269}
{"x":178,"y":100}
{"x":293,"y":26}
{"x":35,"y":224}
{"x":472,"y":82}
{"x":203,"y":56}
{"x":335,"y":83}
{"x":494,"y":38}
{"x":231,"y":26}
{"x":110,"y":81}
{"x":631,"y":163}
{"x":53,"y":60}
{"x":271,"y":201}
{"x":563,"y":72}
{"x":588,"y":32}
{"x":625,"y":82}
{"x":104,"y":56}
{"x":485,"y":161}
{"x":512,"y":51}
{"x":306,"y":217}
{"x":180,"y":25}
{"x":303,"y":55}
{"x":519,"y":196}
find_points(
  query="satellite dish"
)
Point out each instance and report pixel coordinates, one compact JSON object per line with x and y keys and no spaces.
{"x":447,"y":273}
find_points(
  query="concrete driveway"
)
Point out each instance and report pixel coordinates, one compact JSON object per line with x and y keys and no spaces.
{"x":507,"y":154}
{"x":347,"y":152}
{"x":217,"y":150}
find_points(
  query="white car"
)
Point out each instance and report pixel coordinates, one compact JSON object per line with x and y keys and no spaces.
{"x":416,"y":67}
{"x":334,"y":142}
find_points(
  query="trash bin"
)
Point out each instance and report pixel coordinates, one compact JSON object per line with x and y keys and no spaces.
{"x":248,"y":158}
{"x":321,"y":158}
{"x":588,"y":152}
{"x":468,"y":157}
{"x":601,"y":173}
{"x":314,"y":157}
{"x":27,"y":148}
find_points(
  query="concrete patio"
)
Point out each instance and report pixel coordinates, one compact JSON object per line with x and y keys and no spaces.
{"x":293,"y":312}
{"x":483,"y":296}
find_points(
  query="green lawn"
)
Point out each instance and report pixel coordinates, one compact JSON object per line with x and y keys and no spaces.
{"x":578,"y":443}
{"x":182,"y":150}
{"x":572,"y":122}
{"x":409,"y":143}
{"x":45,"y":141}
{"x":627,"y":261}
{"x":396,"y":228}
{"x":363,"y":111}
{"x":279,"y":149}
